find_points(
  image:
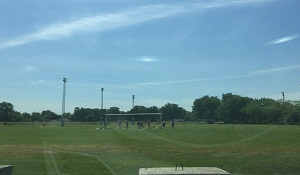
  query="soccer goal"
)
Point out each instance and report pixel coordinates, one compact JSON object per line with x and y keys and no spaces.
{"x":138,"y":120}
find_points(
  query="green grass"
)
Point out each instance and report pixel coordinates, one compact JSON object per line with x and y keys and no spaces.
{"x":83,"y":149}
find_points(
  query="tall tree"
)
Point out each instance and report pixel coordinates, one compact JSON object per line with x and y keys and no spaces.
{"x":78,"y":114}
{"x":6,"y":111}
{"x":152,"y":109}
{"x":138,"y":109}
{"x":170,"y":111}
{"x":26,"y":117}
{"x":36,"y":116}
{"x":47,"y":114}
{"x":113,"y":110}
{"x":206,"y":107}
{"x":230,"y":108}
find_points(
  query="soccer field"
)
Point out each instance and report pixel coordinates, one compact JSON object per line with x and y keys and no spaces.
{"x":86,"y":149}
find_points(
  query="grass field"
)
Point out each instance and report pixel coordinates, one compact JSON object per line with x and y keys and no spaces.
{"x":83,"y":149}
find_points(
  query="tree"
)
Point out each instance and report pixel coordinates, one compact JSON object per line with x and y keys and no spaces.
{"x":253,"y":113}
{"x":230,"y":108}
{"x":6,"y":111}
{"x":26,"y":117}
{"x":291,"y":112}
{"x":170,"y":111}
{"x":78,"y":113}
{"x":206,"y":107}
{"x":113,"y":110}
{"x":17,"y":116}
{"x":47,"y":114}
{"x":152,"y":109}
{"x":189,"y":116}
{"x":272,"y":110}
{"x":138,"y":109}
{"x":36,"y":116}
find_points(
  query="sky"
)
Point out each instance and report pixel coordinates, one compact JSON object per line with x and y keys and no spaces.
{"x":160,"y":51}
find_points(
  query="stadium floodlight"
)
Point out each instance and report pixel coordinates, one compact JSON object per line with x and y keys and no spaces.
{"x":102,"y":89}
{"x":133,"y":101}
{"x":63,"y":102}
{"x":283,"y":97}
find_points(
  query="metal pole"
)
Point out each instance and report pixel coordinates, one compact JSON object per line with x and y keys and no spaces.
{"x":283,"y":97}
{"x":102,"y":89}
{"x":133,"y":101}
{"x":63,"y":102}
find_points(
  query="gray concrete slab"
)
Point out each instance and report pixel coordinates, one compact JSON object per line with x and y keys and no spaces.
{"x":184,"y":171}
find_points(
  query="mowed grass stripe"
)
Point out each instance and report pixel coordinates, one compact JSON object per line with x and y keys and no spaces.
{"x":78,"y":148}
{"x":110,"y":170}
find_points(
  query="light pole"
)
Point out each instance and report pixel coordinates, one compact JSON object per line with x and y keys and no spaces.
{"x":63,"y":102}
{"x":133,"y":101}
{"x":283,"y":97}
{"x":102,"y":89}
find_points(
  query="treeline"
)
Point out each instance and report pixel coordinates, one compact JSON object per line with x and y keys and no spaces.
{"x":230,"y":109}
{"x":237,"y":109}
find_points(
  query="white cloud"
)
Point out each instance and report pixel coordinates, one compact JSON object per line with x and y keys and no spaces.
{"x":147,"y":59}
{"x":37,"y":82}
{"x":109,"y":21}
{"x":30,"y":69}
{"x":283,"y":39}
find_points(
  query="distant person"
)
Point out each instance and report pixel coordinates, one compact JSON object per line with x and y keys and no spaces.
{"x":139,"y":123}
{"x":126,"y":122}
{"x":119,"y":123}
{"x":173,"y":122}
{"x":164,"y":124}
{"x":148,"y":125}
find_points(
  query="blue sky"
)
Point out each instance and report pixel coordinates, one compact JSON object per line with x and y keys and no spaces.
{"x":159,"y":51}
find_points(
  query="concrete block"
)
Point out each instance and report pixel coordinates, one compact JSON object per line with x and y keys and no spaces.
{"x":183,"y":171}
{"x":6,"y":169}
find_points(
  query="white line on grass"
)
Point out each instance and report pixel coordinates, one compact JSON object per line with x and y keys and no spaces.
{"x":94,"y":156}
{"x":51,"y":165}
{"x":255,"y":136}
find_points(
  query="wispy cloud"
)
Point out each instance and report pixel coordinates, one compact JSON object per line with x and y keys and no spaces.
{"x":245,"y":75}
{"x":109,"y":21}
{"x":146,"y":59}
{"x":193,"y":80}
{"x":275,"y":70}
{"x":283,"y":39}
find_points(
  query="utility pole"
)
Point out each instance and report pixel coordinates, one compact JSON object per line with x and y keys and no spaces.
{"x":102,"y":89}
{"x":63,"y":102}
{"x":133,"y":101}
